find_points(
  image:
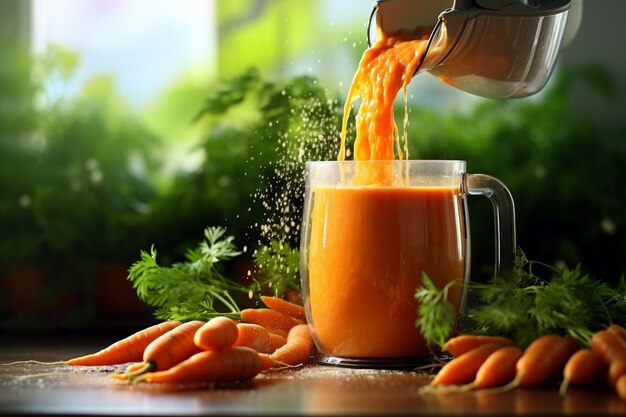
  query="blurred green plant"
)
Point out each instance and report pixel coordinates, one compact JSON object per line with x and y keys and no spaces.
{"x":259,"y":134}
{"x":76,"y":174}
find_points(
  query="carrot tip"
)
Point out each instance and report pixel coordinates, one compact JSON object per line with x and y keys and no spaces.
{"x":148,"y":367}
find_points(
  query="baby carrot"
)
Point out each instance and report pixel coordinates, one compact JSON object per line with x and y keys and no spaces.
{"x":462,"y":369}
{"x":253,"y":336}
{"x":276,"y":342}
{"x":582,"y":368}
{"x":298,"y":348}
{"x":461,"y":344}
{"x":542,"y":359}
{"x":618,"y":330}
{"x":169,"y":349}
{"x":620,"y":387}
{"x":237,"y":363}
{"x":216,"y":334}
{"x":274,"y":321}
{"x":129,"y":349}
{"x":291,"y":309}
{"x":609,"y":346}
{"x":616,"y":370}
{"x":498,"y":369}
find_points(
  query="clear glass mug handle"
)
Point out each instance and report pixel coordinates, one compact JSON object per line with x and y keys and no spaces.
{"x":504,"y":217}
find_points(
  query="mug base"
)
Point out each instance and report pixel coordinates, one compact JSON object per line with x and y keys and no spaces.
{"x":383,"y":363}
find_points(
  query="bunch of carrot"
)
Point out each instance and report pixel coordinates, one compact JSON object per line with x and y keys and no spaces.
{"x":497,"y":364}
{"x":219,"y":350}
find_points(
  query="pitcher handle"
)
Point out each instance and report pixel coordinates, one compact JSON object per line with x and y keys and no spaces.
{"x":504,"y":217}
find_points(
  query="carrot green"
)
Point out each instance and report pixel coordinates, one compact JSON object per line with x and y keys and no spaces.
{"x":198,"y":288}
{"x":534,"y":300}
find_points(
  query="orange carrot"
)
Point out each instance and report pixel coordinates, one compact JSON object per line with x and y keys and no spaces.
{"x":169,"y":349}
{"x":267,"y":362}
{"x":609,"y":346}
{"x":129,"y":349}
{"x":618,"y":330}
{"x":543,"y":358}
{"x":237,"y":363}
{"x":616,"y":370}
{"x":620,"y":387}
{"x":253,"y":336}
{"x":276,"y":342}
{"x":298,"y":348}
{"x":462,"y":369}
{"x":461,"y":344}
{"x":498,"y":369}
{"x":274,"y":321}
{"x":584,"y":367}
{"x":291,"y":309}
{"x":216,"y":334}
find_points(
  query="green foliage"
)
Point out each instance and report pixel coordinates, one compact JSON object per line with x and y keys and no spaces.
{"x":278,"y":268}
{"x":258,"y":135}
{"x":198,"y":288}
{"x":526,"y":305}
{"x":195,"y":289}
{"x":76,"y":175}
{"x":436,"y":316}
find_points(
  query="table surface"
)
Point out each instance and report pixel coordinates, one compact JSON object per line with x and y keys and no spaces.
{"x":37,"y":389}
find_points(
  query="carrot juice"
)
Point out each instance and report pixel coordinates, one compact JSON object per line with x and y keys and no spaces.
{"x":367,"y":249}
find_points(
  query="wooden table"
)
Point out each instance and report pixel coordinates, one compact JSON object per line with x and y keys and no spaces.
{"x":313,"y":389}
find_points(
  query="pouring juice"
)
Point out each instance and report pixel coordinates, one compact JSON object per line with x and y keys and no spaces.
{"x":372,"y":227}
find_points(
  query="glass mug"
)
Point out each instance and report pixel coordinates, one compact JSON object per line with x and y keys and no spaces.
{"x":369,"y":231}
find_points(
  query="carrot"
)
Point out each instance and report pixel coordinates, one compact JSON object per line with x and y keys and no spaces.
{"x":620,"y":387}
{"x":169,"y":349}
{"x":216,"y":334}
{"x":253,"y":336}
{"x":274,"y":321}
{"x":618,"y":330}
{"x":584,"y":367}
{"x":542,"y":359}
{"x":129,"y":349}
{"x":276,"y":342}
{"x":237,"y":363}
{"x":616,"y":370}
{"x":498,"y":369}
{"x":267,"y":362}
{"x":298,"y":348}
{"x":461,"y":344}
{"x":609,"y":346}
{"x":291,"y":309}
{"x":462,"y":369}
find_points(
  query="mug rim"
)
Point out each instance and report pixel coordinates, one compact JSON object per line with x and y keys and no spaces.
{"x":451,"y":161}
{"x":394,"y":161}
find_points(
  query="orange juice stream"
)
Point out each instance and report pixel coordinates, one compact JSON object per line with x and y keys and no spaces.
{"x":371,"y":239}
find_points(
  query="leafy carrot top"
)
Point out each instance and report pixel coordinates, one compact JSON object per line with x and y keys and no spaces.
{"x":198,"y":289}
{"x":194,"y":289}
{"x":525,"y":305}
